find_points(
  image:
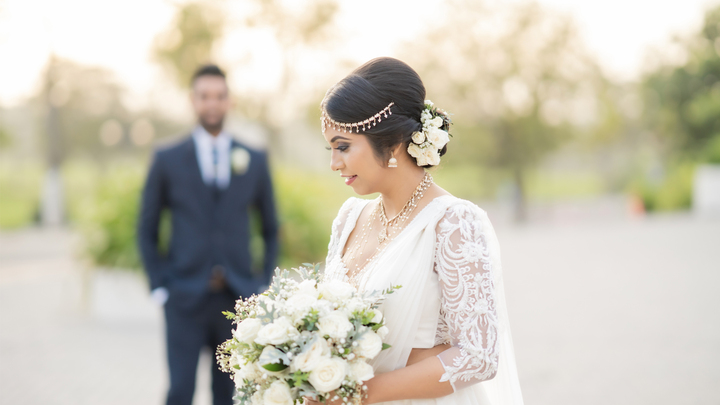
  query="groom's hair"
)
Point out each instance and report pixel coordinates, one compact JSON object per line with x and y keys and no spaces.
{"x":207,"y":70}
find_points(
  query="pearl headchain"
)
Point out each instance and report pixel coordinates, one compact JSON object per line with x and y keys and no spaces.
{"x":345,"y":127}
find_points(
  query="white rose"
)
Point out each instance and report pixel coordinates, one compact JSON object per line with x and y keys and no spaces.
{"x":437,"y":122}
{"x":378,"y":316}
{"x":239,"y":160}
{"x":248,"y":329}
{"x":308,"y":287}
{"x":335,"y":324}
{"x":299,"y":304}
{"x":257,"y":398}
{"x":432,"y":156}
{"x":429,"y":103}
{"x":383,"y":332}
{"x":280,"y":331}
{"x":328,"y":375}
{"x":438,"y":137}
{"x":417,"y":152}
{"x":336,"y":291}
{"x":312,"y":356}
{"x":248,"y":371}
{"x":361,"y":371}
{"x":418,"y":137}
{"x":278,"y":394}
{"x":369,"y":345}
{"x":354,"y":304}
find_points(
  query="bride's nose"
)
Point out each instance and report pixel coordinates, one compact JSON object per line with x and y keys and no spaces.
{"x":336,"y":162}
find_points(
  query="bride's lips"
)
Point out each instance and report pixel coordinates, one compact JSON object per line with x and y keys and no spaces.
{"x":349,"y":179}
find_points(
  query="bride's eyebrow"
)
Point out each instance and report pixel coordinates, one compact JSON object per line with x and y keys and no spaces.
{"x":338,"y":137}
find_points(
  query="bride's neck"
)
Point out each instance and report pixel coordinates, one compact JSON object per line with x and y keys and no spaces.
{"x":399,"y":190}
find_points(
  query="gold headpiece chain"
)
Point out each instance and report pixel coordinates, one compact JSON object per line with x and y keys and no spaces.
{"x":345,"y":126}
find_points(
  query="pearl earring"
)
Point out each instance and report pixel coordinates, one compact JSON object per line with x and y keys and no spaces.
{"x":392,"y":162}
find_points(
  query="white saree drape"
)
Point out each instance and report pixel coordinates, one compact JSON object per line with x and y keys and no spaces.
{"x":413,"y":313}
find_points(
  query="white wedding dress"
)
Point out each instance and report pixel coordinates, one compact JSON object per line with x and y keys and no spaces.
{"x":447,"y":260}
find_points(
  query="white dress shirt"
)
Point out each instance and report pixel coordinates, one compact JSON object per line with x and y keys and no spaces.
{"x":214,"y":164}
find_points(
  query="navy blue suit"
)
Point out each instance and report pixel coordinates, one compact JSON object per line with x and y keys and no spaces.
{"x":210,"y":237}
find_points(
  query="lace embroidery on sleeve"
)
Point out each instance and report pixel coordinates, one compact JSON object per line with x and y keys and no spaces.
{"x":468,"y":315}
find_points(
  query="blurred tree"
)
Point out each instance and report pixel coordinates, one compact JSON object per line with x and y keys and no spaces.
{"x":682,"y":102}
{"x":5,"y":138}
{"x":190,"y":40}
{"x":518,"y":80}
{"x":305,"y":25}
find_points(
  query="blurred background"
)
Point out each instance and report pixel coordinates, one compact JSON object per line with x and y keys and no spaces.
{"x":590,"y":132}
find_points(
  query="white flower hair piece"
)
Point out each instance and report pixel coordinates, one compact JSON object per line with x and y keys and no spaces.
{"x":427,"y":143}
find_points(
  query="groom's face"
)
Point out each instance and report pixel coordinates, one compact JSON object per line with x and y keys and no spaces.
{"x":210,"y":101}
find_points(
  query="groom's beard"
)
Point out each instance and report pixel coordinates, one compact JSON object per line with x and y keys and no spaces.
{"x":213,"y":127}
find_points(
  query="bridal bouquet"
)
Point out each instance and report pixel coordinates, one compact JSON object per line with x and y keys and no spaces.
{"x":308,"y":338}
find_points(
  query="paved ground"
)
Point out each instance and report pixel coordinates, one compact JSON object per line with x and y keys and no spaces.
{"x":603,"y":312}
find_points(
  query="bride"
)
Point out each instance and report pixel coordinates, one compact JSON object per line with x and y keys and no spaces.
{"x":448,"y":323}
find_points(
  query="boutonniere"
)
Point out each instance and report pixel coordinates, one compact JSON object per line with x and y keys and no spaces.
{"x":240,"y":160}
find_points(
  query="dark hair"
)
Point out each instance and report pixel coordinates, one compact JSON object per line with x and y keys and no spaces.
{"x":369,"y":89}
{"x":207,"y":70}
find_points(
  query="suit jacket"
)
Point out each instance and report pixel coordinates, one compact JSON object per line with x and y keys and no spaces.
{"x":210,"y":226}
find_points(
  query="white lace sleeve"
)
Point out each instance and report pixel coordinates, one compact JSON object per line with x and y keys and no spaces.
{"x":468,"y":315}
{"x":337,"y":227}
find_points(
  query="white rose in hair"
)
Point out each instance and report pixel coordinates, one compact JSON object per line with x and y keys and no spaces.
{"x":248,"y":329}
{"x":361,"y":371}
{"x":382,"y":332}
{"x":418,"y":137}
{"x":418,"y":153}
{"x":329,"y":374}
{"x":430,"y":103}
{"x":280,"y":331}
{"x":335,"y":324}
{"x":309,"y":359}
{"x":432,"y":156}
{"x":278,"y":394}
{"x":336,"y":291}
{"x":369,"y":345}
{"x":438,"y":137}
{"x":437,"y":122}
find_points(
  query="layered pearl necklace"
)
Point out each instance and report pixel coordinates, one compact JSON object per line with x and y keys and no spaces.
{"x":389,"y":228}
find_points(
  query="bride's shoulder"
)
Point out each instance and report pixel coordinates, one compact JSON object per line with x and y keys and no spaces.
{"x":452,"y":206}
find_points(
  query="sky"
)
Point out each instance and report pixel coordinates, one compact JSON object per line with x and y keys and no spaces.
{"x":119,"y":35}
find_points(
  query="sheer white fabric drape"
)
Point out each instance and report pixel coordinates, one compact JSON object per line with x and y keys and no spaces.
{"x":449,"y":245}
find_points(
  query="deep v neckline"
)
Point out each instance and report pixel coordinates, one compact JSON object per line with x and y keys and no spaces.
{"x":355,"y":216}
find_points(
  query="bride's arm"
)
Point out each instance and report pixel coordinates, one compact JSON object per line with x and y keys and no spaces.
{"x":419,"y":380}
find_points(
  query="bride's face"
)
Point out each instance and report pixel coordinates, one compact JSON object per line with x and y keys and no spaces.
{"x":353,"y":156}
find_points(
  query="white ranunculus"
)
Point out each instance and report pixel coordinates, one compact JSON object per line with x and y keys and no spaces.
{"x":438,"y":137}
{"x":361,"y":371}
{"x":436,"y":122}
{"x":248,"y":329}
{"x":335,"y":324}
{"x":418,"y":137}
{"x":369,"y":345}
{"x":307,"y":287}
{"x":328,"y":375}
{"x":309,"y":359}
{"x":432,"y":156}
{"x":280,"y":331}
{"x":278,"y":394}
{"x":336,"y":290}
{"x":378,"y":316}
{"x":382,"y":332}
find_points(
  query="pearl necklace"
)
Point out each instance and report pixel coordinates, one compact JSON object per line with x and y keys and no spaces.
{"x":390,"y":228}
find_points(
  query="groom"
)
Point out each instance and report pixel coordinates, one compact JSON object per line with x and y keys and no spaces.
{"x":209,"y":183}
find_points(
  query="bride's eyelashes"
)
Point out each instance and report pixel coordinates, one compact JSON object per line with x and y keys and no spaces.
{"x":341,"y":148}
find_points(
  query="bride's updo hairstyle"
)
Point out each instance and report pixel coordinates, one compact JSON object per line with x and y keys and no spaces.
{"x":371,"y":88}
